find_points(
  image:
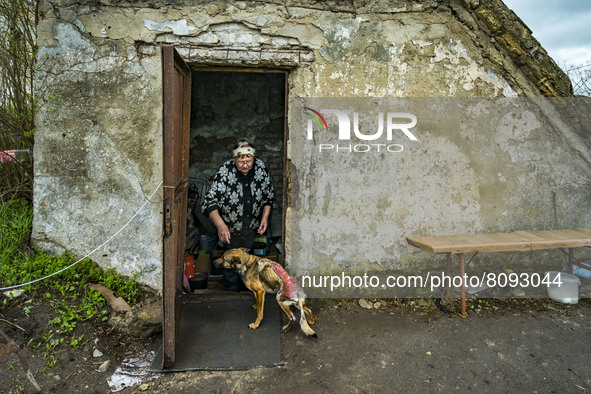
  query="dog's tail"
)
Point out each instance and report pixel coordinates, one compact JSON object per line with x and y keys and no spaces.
{"x":304,"y":321}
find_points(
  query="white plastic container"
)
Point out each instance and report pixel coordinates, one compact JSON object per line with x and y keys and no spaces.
{"x":566,"y":288}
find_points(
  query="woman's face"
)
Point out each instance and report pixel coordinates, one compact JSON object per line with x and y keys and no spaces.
{"x":244,"y":163}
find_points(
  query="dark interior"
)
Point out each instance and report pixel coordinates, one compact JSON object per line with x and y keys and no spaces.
{"x":227,"y":106}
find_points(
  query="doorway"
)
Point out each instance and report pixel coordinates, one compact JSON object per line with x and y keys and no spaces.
{"x":206,"y":112}
{"x":229,"y":105}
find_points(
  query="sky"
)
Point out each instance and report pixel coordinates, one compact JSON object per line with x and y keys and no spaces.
{"x":563,"y":27}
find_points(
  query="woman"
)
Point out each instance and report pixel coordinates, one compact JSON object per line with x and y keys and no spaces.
{"x":239,"y":202}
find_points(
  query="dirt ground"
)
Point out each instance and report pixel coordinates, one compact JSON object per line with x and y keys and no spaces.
{"x":397,"y":346}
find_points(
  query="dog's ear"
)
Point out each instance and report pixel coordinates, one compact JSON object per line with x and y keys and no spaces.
{"x":246,"y":250}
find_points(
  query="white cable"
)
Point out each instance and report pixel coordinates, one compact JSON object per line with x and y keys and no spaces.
{"x":89,"y":254}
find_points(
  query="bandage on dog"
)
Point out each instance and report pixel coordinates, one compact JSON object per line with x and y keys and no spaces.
{"x":243,"y":150}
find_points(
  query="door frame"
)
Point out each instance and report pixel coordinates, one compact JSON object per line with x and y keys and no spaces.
{"x":176,"y":80}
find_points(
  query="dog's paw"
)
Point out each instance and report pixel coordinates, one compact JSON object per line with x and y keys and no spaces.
{"x":253,"y":326}
{"x":286,"y":327}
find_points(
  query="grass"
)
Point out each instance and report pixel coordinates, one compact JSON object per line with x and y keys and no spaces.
{"x":66,"y":292}
{"x":16,"y":219}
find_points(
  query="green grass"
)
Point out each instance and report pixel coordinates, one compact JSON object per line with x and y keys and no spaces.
{"x":16,"y":219}
{"x":20,"y":264}
{"x":66,"y":291}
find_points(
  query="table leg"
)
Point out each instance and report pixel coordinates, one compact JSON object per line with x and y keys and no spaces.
{"x":448,"y":273}
{"x":570,"y":260}
{"x":463,"y":288}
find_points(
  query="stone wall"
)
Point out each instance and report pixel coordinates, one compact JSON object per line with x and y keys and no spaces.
{"x":98,"y":149}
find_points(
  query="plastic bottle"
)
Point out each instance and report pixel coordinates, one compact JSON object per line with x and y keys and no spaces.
{"x":581,"y":272}
{"x":13,"y":156}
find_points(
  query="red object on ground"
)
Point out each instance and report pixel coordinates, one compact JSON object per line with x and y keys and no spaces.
{"x":189,"y":266}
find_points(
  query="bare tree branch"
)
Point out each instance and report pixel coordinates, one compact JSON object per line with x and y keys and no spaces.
{"x":18,"y":104}
{"x":580,"y":76}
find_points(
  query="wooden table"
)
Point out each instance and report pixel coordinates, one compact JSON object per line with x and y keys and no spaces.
{"x":503,"y":242}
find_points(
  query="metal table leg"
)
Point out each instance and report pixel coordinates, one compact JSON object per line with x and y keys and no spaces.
{"x":448,"y":273}
{"x":463,"y":288}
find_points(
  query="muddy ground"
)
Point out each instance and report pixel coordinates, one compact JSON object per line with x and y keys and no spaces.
{"x":402,"y":346}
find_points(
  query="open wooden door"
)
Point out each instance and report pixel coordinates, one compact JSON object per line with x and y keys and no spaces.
{"x":176,"y":79}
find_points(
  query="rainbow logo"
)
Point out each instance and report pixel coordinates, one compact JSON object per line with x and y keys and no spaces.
{"x":317,"y":117}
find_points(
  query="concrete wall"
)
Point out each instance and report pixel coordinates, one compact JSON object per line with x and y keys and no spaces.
{"x":478,"y":165}
{"x":98,"y":146}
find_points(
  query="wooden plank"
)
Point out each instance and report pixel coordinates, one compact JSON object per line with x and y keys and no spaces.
{"x":528,"y":236}
{"x":555,"y":235}
{"x":575,"y":234}
{"x":553,"y":239}
{"x":433,"y":245}
{"x":503,"y":242}
{"x":497,"y":242}
{"x":491,"y":248}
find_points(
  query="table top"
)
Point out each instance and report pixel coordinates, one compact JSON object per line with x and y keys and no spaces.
{"x":503,"y":242}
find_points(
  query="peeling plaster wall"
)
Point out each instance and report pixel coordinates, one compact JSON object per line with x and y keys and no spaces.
{"x":479,"y":165}
{"x":98,"y":146}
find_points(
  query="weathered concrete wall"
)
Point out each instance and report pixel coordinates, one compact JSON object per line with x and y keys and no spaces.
{"x":98,"y":147}
{"x":478,"y":165}
{"x":98,"y":150}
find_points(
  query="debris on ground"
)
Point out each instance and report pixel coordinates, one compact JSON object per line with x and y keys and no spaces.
{"x":117,"y":303}
{"x":132,"y":372}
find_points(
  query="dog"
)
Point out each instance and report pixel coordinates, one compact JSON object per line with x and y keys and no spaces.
{"x":262,"y":275}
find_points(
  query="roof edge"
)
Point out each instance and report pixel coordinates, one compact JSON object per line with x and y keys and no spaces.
{"x":512,"y":35}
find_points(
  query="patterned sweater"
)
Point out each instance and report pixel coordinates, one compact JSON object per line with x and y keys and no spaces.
{"x":227,"y":195}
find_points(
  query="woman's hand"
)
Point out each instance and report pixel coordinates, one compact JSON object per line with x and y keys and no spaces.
{"x":223,"y":230}
{"x":264,"y":220}
{"x":224,"y":233}
{"x":263,"y":227}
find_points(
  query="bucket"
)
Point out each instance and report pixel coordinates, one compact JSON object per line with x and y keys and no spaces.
{"x":207,"y":242}
{"x":563,"y":287}
{"x":199,"y":281}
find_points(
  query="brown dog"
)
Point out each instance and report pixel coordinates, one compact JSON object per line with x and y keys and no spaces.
{"x":262,"y":275}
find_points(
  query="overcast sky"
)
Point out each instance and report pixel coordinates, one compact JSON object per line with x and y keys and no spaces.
{"x":563,"y":27}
